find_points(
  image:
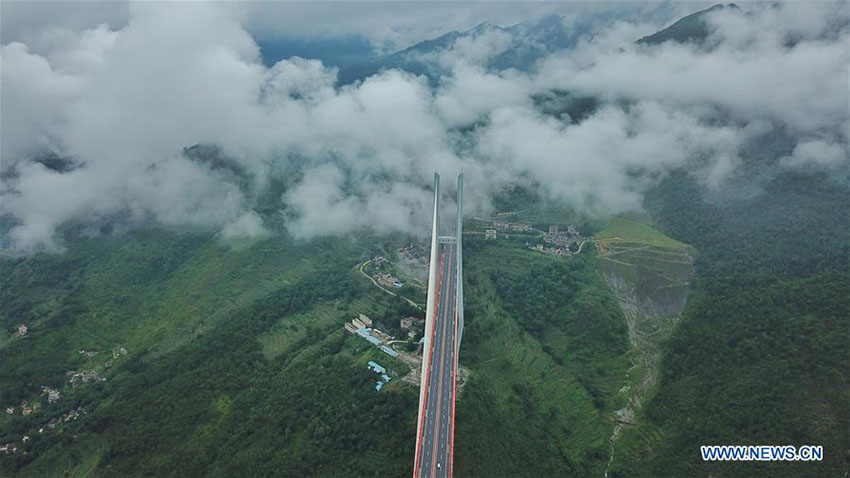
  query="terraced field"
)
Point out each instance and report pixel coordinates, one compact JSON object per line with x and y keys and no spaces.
{"x":536,"y":404}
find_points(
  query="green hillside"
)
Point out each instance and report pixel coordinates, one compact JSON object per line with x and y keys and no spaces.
{"x":620,"y":229}
{"x":545,"y":342}
{"x":197,"y":320}
{"x":236,"y":363}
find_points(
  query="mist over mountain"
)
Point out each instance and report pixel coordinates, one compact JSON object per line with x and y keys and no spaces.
{"x":335,"y":52}
{"x":593,"y":112}
{"x":519,"y":47}
{"x":205,"y":205}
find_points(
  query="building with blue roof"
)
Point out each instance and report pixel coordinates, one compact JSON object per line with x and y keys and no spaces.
{"x":381,"y":370}
{"x":367,"y":334}
{"x":373,"y":340}
{"x":377,"y":368}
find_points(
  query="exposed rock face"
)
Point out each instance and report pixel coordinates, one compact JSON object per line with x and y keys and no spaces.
{"x":651,"y":283}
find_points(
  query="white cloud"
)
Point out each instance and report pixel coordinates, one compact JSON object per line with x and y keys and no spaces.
{"x":802,"y":86}
{"x":124,"y":102}
{"x":604,"y":164}
{"x":478,"y":48}
{"x":471,"y":92}
{"x":818,"y":153}
{"x":248,"y":225}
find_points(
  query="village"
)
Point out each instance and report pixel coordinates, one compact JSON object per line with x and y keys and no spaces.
{"x":54,"y":395}
{"x":411,"y":256}
{"x":416,"y":253}
{"x":554,"y":242}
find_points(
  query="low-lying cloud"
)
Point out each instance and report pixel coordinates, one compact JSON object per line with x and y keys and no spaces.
{"x":123,"y":104}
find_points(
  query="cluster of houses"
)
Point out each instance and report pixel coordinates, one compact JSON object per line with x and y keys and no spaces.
{"x":388,"y":280}
{"x":26,"y":408}
{"x":492,"y":232}
{"x":410,"y":325}
{"x":511,"y":226}
{"x":416,"y":253}
{"x":53,"y":395}
{"x":561,"y":238}
{"x":67,"y":417}
{"x":555,"y":251}
{"x":383,"y":278}
{"x":12,"y":447}
{"x":84,"y":377}
{"x":557,"y":243}
{"x":115,"y":354}
{"x":362,"y":326}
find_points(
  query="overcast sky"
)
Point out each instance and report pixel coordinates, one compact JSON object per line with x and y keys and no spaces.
{"x":123,"y":89}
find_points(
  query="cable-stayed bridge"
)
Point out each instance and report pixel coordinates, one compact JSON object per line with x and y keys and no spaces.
{"x":443,"y":333}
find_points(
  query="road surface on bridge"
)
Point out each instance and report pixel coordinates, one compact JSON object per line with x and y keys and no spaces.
{"x":435,"y":453}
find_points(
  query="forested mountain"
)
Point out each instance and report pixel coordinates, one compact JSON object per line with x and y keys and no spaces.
{"x":188,"y":319}
{"x":761,"y":355}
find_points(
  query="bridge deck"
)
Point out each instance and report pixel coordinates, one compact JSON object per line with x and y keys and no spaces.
{"x":435,"y":444}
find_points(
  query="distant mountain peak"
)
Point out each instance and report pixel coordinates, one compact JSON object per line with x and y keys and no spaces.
{"x":531,"y":41}
{"x":484,"y":26}
{"x":688,"y":29}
